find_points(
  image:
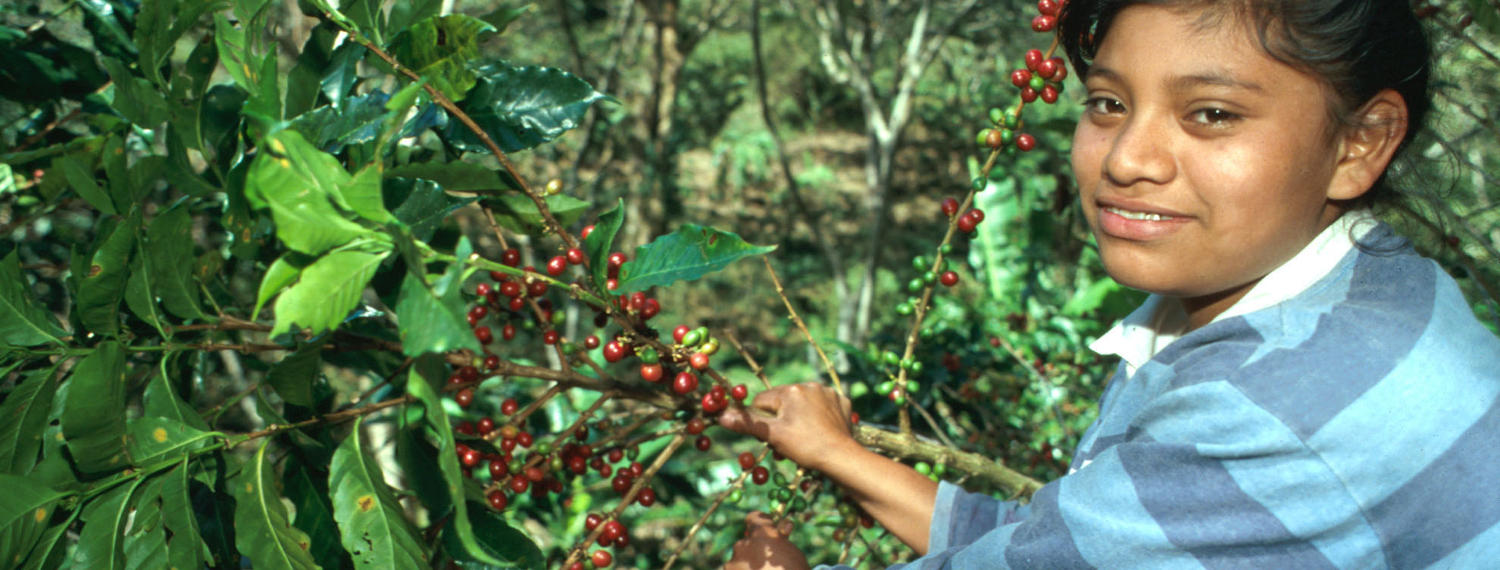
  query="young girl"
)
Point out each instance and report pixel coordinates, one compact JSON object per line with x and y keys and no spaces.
{"x":1301,"y":390}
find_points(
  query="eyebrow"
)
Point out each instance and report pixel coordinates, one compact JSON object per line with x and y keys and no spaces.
{"x":1185,"y":82}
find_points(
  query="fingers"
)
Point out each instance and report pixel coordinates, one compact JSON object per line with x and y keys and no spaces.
{"x":743,"y":421}
{"x":759,"y":524}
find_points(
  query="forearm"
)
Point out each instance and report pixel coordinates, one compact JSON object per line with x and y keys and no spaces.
{"x":893,"y":493}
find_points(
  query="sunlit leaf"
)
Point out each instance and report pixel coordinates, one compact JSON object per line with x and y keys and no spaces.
{"x":687,"y":254}
{"x":327,"y":291}
{"x":302,"y":186}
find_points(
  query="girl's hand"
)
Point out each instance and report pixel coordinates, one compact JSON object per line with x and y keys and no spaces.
{"x":765,"y":546}
{"x":807,"y":423}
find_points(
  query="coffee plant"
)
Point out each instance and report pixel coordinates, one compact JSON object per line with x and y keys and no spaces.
{"x":287,"y":305}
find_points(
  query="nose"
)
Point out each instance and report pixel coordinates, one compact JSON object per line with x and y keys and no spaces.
{"x":1140,"y":153}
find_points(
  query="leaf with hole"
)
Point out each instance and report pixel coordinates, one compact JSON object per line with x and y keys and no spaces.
{"x":374,"y":528}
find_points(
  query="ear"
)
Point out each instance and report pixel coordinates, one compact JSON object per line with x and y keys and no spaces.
{"x":1366,"y":148}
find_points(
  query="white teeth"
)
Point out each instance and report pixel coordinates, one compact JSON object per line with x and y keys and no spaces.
{"x":1129,"y":215}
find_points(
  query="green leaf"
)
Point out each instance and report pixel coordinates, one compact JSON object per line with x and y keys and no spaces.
{"x":1486,"y":15}
{"x":169,"y":241}
{"x":25,"y":508}
{"x":263,"y":532}
{"x":306,"y":485}
{"x":135,"y":98}
{"x":328,"y":289}
{"x":293,"y":376}
{"x":439,"y":49}
{"x":140,"y":295}
{"x":302,"y":187}
{"x":457,"y":176}
{"x":25,"y":409}
{"x":150,"y":440}
{"x":282,"y":273}
{"x":160,"y":399}
{"x":425,"y":206}
{"x":437,"y":421}
{"x":146,"y":540}
{"x":431,"y":321}
{"x":502,"y":17}
{"x":49,"y":551}
{"x":522,"y":107}
{"x":687,"y":254}
{"x":101,"y":543}
{"x":352,"y":121}
{"x":80,"y":177}
{"x":497,"y":538}
{"x":23,"y":321}
{"x":7,"y":180}
{"x":158,"y":26}
{"x":185,"y":549}
{"x":101,"y":284}
{"x":518,"y":213}
{"x":601,"y":240}
{"x":362,"y":192}
{"x":93,"y":417}
{"x":371,"y":522}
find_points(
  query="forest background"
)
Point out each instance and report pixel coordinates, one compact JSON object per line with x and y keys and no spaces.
{"x":832,"y":130}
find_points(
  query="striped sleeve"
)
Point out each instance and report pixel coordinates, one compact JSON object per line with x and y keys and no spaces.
{"x":1166,"y":497}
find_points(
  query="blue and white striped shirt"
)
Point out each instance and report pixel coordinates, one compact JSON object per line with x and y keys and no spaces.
{"x":1354,"y":425}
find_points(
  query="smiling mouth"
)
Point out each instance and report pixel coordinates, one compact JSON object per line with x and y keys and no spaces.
{"x":1139,"y":216}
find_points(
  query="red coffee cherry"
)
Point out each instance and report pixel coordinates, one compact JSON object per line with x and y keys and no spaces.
{"x":759,"y":475}
{"x":684,"y":383}
{"x":747,"y":460}
{"x":651,"y":372}
{"x":576,"y":256}
{"x":497,"y":499}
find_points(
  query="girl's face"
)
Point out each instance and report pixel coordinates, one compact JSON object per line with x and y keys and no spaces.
{"x":1202,"y":162}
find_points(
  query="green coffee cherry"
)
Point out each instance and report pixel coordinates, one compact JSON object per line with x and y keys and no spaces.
{"x":648,"y":355}
{"x":922,"y":467}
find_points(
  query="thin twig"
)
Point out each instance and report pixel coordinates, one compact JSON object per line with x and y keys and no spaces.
{"x":791,"y":311}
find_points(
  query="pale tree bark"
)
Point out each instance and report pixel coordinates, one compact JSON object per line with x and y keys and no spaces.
{"x":849,"y":43}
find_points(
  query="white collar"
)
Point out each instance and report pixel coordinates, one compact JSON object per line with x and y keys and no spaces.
{"x":1160,"y":320}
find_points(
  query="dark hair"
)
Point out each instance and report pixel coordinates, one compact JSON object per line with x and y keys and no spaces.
{"x":1359,"y":47}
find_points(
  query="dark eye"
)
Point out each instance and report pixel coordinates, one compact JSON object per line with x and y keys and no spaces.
{"x":1213,"y":116}
{"x":1103,"y":106}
